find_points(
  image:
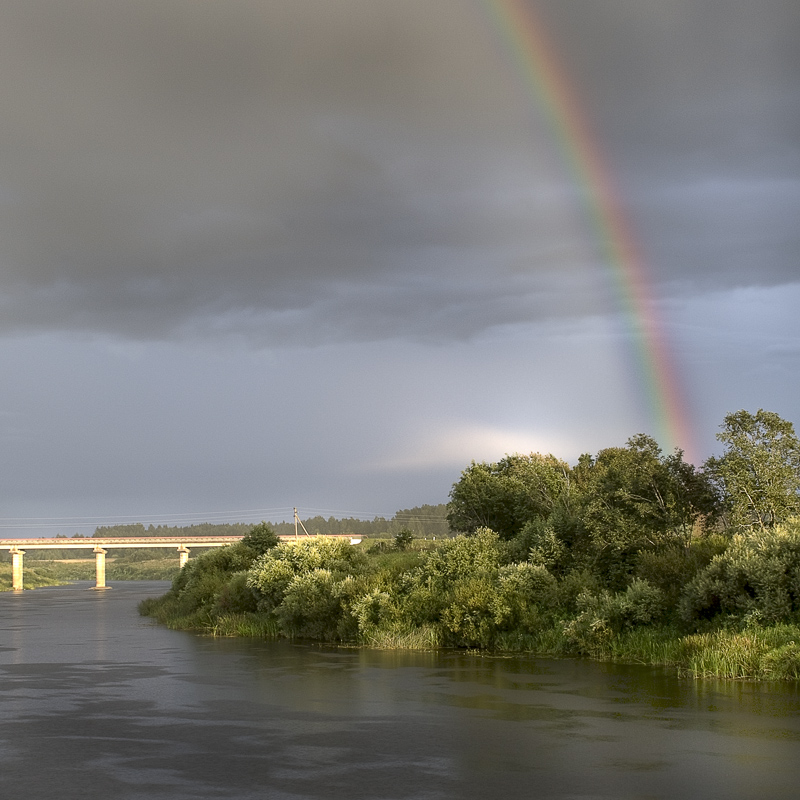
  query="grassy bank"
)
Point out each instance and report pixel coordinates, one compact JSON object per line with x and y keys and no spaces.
{"x":466,"y":593}
{"x":62,"y":571}
{"x":32,"y":578}
{"x":763,"y":654}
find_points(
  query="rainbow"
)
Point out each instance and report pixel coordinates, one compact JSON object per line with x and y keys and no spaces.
{"x":524,"y":38}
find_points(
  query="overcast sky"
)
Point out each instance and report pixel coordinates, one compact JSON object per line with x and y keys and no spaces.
{"x":258,"y":254}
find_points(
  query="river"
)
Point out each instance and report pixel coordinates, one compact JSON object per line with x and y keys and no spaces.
{"x":97,"y":702}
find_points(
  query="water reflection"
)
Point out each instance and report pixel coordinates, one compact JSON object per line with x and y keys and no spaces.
{"x":97,"y":701}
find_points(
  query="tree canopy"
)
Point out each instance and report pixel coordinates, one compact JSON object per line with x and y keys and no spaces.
{"x":506,"y":495}
{"x":759,"y":472}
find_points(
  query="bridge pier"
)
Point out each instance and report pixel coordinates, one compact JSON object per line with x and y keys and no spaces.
{"x":184,"y":555}
{"x":16,"y":568}
{"x":100,"y":568}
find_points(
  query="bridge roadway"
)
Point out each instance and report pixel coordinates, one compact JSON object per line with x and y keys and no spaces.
{"x":100,"y":546}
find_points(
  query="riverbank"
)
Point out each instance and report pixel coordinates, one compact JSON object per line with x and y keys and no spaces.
{"x":770,"y":654}
{"x":463,"y":594}
{"x":34,"y":578}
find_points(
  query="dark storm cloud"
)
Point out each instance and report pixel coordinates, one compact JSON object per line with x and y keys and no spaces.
{"x":315,"y":170}
{"x":698,"y":108}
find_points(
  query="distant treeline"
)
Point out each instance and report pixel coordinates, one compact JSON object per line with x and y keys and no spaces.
{"x":423,"y":521}
{"x":203,"y":529}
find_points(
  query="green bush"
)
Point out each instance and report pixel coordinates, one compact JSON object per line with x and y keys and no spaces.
{"x":572,"y":586}
{"x":403,"y":539}
{"x":464,"y":556}
{"x":540,"y":544}
{"x":269,"y":579}
{"x":756,"y":580}
{"x":201,"y":589}
{"x":374,"y":610}
{"x":602,"y":615}
{"x":757,"y":652}
{"x":229,"y":559}
{"x":419,"y":599}
{"x":442,"y":592}
{"x":316,"y":552}
{"x":260,"y":538}
{"x":310,"y":586}
{"x":311,"y":606}
{"x":235,"y":596}
{"x":782,"y":663}
{"x":349,"y":590}
{"x":523,"y":594}
{"x":468,"y":619}
{"x":196,"y":587}
{"x":640,"y":604}
{"x":672,"y":567}
{"x":531,"y":582}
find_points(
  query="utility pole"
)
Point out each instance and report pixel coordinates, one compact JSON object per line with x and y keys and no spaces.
{"x":297,"y":521}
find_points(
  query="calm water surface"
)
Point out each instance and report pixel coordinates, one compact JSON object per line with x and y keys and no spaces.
{"x":96,"y":702}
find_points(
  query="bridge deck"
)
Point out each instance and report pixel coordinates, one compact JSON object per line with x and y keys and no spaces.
{"x":131,"y":541}
{"x":18,"y":548}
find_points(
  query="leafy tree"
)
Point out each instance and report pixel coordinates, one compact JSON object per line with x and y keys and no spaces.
{"x":403,"y":539}
{"x":261,"y":538}
{"x":506,"y":495}
{"x":633,"y":498}
{"x":633,"y":495}
{"x":757,"y":579}
{"x":759,"y":472}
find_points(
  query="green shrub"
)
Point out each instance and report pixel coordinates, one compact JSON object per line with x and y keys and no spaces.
{"x":604,"y":614}
{"x":235,"y":596}
{"x":374,"y":610}
{"x":196,"y":587}
{"x":464,"y":556}
{"x":229,"y":559}
{"x":672,"y":567}
{"x":403,"y":539}
{"x":444,"y":580}
{"x":311,"y":607}
{"x":522,"y":592}
{"x":757,"y":579}
{"x":572,"y":586}
{"x":782,"y":663}
{"x":531,"y":582}
{"x":269,"y":579}
{"x":201,"y":590}
{"x":272,"y":573}
{"x":316,"y":552}
{"x":260,"y":538}
{"x":640,"y":604}
{"x":542,"y":545}
{"x":771,"y":653}
{"x":468,"y":620}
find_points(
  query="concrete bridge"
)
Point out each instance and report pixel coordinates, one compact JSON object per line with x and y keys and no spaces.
{"x":100,"y":546}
